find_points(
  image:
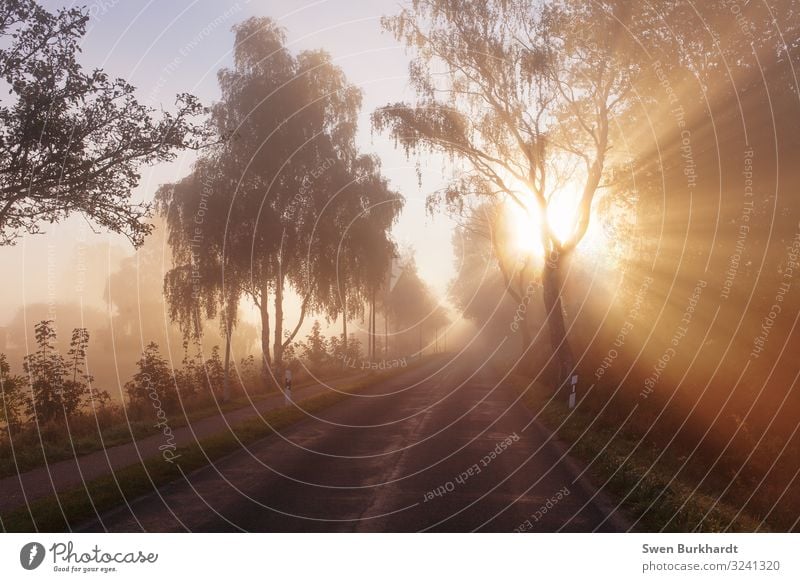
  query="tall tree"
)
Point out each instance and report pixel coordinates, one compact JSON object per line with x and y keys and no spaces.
{"x":528,"y":88}
{"x":364,"y":251}
{"x":205,"y":282}
{"x":290,"y":121}
{"x":73,"y":141}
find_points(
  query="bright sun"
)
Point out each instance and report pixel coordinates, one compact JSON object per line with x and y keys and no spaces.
{"x":562,"y":210}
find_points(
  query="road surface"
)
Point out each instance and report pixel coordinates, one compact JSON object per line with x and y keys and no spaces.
{"x":442,"y":447}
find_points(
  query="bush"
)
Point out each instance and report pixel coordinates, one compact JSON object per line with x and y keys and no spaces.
{"x":59,"y":386}
{"x":249,"y":376}
{"x":214,"y":372}
{"x":189,"y":377}
{"x":12,"y":399}
{"x":314,"y":351}
{"x":153,"y":382}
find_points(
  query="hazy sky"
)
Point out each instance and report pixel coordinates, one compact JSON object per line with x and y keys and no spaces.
{"x":164,"y":48}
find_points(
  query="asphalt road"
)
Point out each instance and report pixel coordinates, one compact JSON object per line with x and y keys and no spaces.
{"x":422,"y":451}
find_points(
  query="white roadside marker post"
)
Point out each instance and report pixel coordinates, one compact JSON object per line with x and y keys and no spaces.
{"x":572,"y":392}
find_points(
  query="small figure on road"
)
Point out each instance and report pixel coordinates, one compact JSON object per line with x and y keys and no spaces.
{"x":287,"y":386}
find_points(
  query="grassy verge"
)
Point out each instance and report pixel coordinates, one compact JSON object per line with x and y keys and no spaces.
{"x":56,"y":444}
{"x":653,"y":496}
{"x":82,"y":503}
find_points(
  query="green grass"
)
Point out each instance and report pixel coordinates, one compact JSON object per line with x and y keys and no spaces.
{"x":624,"y":470}
{"x":77,"y":505}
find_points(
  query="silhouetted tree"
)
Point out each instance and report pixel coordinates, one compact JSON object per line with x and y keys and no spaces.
{"x":292,"y":119}
{"x":136,"y":288}
{"x":207,"y":280}
{"x":287,"y":179}
{"x":81,"y":381}
{"x":519,"y":91}
{"x":248,"y":373}
{"x":73,"y":141}
{"x":364,"y":252}
{"x":190,"y":375}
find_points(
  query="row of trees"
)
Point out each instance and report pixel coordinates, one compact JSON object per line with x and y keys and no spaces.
{"x":402,"y":322}
{"x":54,"y":387}
{"x":413,"y":315}
{"x":283,"y":204}
{"x":280,"y":202}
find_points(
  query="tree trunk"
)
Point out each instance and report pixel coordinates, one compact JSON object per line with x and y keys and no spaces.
{"x":226,"y":390}
{"x":374,"y":328}
{"x":344,"y":327}
{"x":371,"y":349}
{"x":525,"y":332}
{"x":524,"y":301}
{"x":277,"y":350}
{"x":551,"y":287}
{"x":266,"y":361}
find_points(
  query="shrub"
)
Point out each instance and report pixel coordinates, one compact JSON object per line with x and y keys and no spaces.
{"x":12,"y":399}
{"x":153,"y":381}
{"x":314,"y":350}
{"x":59,"y":387}
{"x":214,"y":372}
{"x":190,"y":376}
{"x":249,"y":374}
